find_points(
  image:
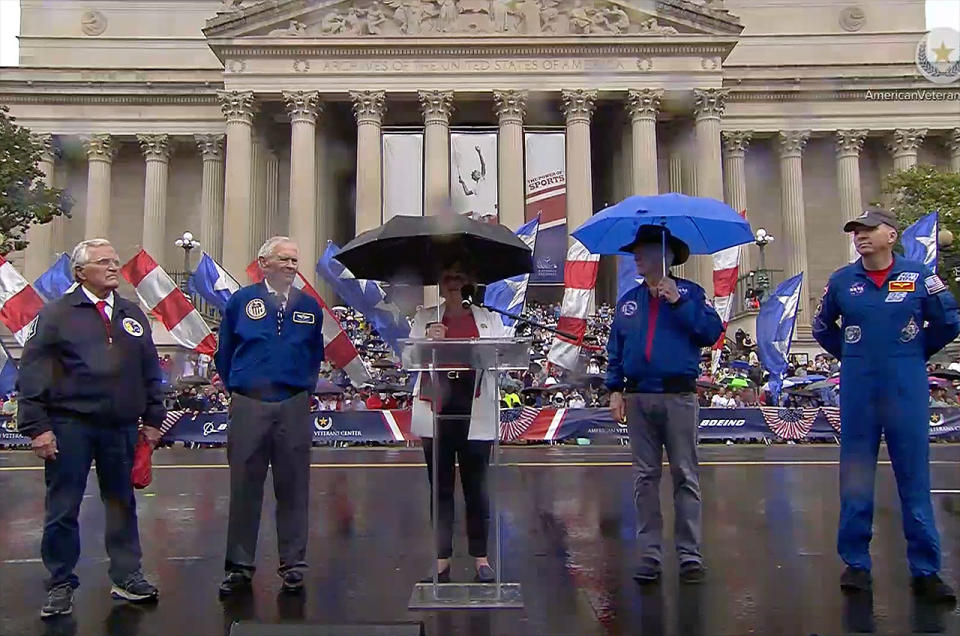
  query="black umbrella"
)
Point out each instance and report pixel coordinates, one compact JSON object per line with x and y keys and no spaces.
{"x":193,"y":380}
{"x":946,"y":374}
{"x":383,"y":363}
{"x":413,"y":249}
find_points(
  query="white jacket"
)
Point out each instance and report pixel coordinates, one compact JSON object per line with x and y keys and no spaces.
{"x":483,"y":420}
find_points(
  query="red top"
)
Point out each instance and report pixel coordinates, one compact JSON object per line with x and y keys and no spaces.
{"x":878,"y":276}
{"x":461,"y":326}
{"x":652,"y":323}
{"x":373,"y":403}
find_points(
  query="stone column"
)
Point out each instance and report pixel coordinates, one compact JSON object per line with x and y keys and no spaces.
{"x":849,"y":145}
{"x":368,"y":107}
{"x":436,"y":107}
{"x":791,"y":196}
{"x":258,"y":191}
{"x":324,"y":209}
{"x":39,"y":253}
{"x":953,"y":145}
{"x":238,"y":108}
{"x":708,"y":108}
{"x":675,"y":176}
{"x":100,"y":154}
{"x":156,"y":152}
{"x":904,"y":146}
{"x":211,"y":197}
{"x":272,"y":212}
{"x":642,"y":107}
{"x":511,"y":193}
{"x":735,"y":144}
{"x":304,"y":108}
{"x":578,"y":107}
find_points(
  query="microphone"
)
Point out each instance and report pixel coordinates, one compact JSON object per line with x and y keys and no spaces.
{"x":467,"y":292}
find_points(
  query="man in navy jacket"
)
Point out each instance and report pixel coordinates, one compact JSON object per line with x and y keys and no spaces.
{"x":654,"y":355}
{"x":269,"y":355}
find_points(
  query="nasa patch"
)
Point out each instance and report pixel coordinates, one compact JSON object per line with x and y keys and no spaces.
{"x":857,"y":288}
{"x":256,"y":309}
{"x":852,"y":334}
{"x":132,"y":327}
{"x":629,"y":308}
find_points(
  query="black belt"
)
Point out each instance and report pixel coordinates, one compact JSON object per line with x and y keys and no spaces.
{"x":668,"y":383}
{"x":271,"y":393}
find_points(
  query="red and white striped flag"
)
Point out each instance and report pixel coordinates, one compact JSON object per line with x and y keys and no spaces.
{"x":164,"y":299}
{"x":726,"y":270}
{"x":337,"y":347}
{"x":19,"y":302}
{"x":579,"y":280}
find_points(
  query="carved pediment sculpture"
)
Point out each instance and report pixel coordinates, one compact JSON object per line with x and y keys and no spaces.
{"x":422,"y":17}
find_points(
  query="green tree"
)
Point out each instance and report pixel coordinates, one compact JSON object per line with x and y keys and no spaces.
{"x":924,"y":189}
{"x":25,"y":198}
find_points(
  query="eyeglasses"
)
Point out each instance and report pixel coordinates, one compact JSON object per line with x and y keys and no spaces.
{"x":105,"y":262}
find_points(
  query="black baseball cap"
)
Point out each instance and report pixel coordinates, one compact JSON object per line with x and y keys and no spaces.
{"x":872,"y":217}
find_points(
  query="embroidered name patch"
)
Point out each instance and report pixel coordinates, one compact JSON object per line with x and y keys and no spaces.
{"x":132,"y":327}
{"x":901,"y":286}
{"x":933,"y":284}
{"x":852,"y":334}
{"x":908,"y":276}
{"x":304,"y":318}
{"x":896,"y":297}
{"x":629,"y":308}
{"x":256,"y":309}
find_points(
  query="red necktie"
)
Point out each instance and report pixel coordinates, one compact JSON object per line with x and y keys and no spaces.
{"x":102,"y":308}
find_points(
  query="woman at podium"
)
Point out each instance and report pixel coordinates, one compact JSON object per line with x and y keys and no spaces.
{"x":467,"y":424}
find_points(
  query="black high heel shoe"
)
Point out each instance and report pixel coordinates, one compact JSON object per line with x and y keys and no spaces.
{"x":443,"y":576}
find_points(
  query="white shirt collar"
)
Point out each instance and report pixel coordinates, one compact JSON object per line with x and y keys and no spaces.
{"x":93,"y":298}
{"x":271,"y":290}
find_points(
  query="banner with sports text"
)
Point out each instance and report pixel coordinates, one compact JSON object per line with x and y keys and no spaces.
{"x":546,"y":195}
{"x":402,"y":175}
{"x":473,"y":175}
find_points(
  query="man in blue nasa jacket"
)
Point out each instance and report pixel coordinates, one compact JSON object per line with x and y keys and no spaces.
{"x":269,"y":355}
{"x":654,"y":356}
{"x":895,"y":314}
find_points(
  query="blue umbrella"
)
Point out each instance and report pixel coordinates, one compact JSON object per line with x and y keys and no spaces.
{"x":740,"y":364}
{"x":801,"y":380}
{"x":705,"y":225}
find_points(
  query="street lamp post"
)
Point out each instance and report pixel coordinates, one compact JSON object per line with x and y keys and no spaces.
{"x":186,"y":243}
{"x":762,"y":239}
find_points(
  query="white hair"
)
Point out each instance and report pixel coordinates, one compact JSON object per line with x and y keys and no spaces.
{"x":271,"y":244}
{"x":81,"y":253}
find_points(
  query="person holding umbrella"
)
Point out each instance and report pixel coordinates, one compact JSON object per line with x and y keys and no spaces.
{"x":654,"y":353}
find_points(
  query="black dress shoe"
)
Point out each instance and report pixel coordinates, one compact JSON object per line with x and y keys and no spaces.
{"x":235,"y":583}
{"x":856,"y":580}
{"x":443,"y":576}
{"x":292,"y":581}
{"x":692,"y":573}
{"x":485,"y":574}
{"x":932,"y":588}
{"x":647,"y":572}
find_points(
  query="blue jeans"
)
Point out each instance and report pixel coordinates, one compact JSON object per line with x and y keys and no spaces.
{"x":79,"y":444}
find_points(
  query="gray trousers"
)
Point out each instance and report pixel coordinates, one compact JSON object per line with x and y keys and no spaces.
{"x":657,"y":421}
{"x":262,"y":434}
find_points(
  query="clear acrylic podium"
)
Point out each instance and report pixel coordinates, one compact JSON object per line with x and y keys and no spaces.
{"x":442,"y":356}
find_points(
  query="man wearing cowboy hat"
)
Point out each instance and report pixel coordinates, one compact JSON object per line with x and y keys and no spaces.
{"x":654,"y":349}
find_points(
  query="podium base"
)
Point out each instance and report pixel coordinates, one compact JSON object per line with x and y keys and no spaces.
{"x":466,"y":596}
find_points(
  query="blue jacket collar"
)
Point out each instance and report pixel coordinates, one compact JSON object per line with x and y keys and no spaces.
{"x":899,"y":265}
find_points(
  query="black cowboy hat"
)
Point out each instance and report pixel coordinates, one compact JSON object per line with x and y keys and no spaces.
{"x":655,"y":234}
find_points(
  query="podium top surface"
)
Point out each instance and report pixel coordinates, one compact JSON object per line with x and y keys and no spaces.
{"x":465,"y":354}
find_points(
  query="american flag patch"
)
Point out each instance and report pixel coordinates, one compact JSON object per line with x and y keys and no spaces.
{"x":789,"y":423}
{"x":515,"y":422}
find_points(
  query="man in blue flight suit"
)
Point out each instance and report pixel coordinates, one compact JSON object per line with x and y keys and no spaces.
{"x":895,"y":314}
{"x":269,"y":355}
{"x":654,"y":356}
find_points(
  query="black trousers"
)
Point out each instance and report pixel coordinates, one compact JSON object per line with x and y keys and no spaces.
{"x":80,"y":443}
{"x":474,"y":457}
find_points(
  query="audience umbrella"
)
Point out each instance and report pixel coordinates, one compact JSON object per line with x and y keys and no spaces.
{"x":193,"y":380}
{"x":326,"y":387}
{"x":740,"y":364}
{"x":946,"y":374}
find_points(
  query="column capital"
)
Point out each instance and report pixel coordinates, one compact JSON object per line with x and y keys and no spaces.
{"x":850,"y":142}
{"x":436,"y":106}
{"x":735,"y":142}
{"x":953,"y":140}
{"x":303,"y":106}
{"x":237,"y":106}
{"x":211,"y":146}
{"x":578,"y":104}
{"x":643,"y":103}
{"x":906,"y":141}
{"x":45,"y":141}
{"x":155,"y":147}
{"x":100,"y":147}
{"x":791,"y":142}
{"x":369,"y":106}
{"x":709,"y":103}
{"x":510,"y":105}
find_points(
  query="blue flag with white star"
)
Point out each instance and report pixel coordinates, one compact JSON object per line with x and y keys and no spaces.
{"x":8,"y":372}
{"x":920,"y":240}
{"x":212,"y":282}
{"x":775,"y":330}
{"x":366,"y":296}
{"x":510,"y":294}
{"x":56,"y":281}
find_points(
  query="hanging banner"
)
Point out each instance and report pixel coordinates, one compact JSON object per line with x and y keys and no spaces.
{"x":546,"y":195}
{"x":402,"y":175}
{"x":473,"y":175}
